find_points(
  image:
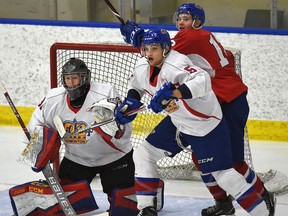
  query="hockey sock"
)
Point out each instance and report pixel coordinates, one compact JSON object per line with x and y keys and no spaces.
{"x":217,"y":192}
{"x":250,"y":176}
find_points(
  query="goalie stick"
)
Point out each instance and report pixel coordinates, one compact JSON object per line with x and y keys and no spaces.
{"x":62,"y":132}
{"x":48,"y":173}
{"x":15,"y":111}
{"x":115,"y":12}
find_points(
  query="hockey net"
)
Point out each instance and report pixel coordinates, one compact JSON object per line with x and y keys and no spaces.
{"x":113,"y":64}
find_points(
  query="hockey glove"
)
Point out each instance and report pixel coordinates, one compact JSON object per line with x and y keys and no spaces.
{"x":127,"y":105}
{"x":104,"y":110}
{"x":162,"y":97}
{"x":132,"y":33}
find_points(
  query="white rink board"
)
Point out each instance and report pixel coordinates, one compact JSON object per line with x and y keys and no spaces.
{"x":25,"y":68}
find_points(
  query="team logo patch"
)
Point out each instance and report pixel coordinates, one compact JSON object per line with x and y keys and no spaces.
{"x":74,"y":126}
{"x":172,"y":107}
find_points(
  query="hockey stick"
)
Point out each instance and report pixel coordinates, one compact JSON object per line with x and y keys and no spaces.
{"x":62,"y":132}
{"x":49,"y":174}
{"x":15,"y":111}
{"x":115,"y":12}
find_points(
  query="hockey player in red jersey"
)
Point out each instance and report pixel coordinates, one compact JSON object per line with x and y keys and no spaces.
{"x":205,"y":51}
{"x":194,"y":119}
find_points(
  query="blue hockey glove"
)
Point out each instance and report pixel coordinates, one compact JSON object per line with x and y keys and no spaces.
{"x":132,"y":33}
{"x":127,"y":105}
{"x":162,"y":97}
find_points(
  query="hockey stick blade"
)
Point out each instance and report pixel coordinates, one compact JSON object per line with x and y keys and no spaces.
{"x":59,"y":126}
{"x":63,"y":134}
{"x":114,"y":11}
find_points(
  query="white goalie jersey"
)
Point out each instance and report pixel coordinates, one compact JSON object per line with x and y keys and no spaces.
{"x":89,"y":148}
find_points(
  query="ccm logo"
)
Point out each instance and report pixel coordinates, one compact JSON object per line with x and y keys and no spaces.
{"x":205,"y":160}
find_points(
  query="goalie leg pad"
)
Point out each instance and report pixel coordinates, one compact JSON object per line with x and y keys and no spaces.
{"x":37,"y":198}
{"x":124,"y":202}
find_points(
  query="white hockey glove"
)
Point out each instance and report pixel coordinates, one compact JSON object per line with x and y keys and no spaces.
{"x":104,"y":110}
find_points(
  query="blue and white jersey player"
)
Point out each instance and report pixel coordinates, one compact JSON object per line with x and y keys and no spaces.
{"x":194,"y":115}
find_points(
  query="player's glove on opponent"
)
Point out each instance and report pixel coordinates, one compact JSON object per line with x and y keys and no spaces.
{"x":132,"y":33}
{"x":127,"y":105}
{"x":162,"y":97}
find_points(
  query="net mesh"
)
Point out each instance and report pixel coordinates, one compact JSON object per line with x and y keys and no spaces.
{"x":113,"y":64}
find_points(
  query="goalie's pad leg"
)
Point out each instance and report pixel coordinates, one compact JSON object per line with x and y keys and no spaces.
{"x":124,"y":202}
{"x":37,"y":198}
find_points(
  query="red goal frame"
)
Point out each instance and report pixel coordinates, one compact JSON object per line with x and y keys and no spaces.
{"x":85,"y":46}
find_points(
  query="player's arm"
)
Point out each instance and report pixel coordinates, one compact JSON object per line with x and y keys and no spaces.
{"x":189,"y":82}
{"x":36,"y":119}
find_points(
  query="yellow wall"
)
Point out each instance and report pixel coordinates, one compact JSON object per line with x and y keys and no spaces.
{"x":257,"y":129}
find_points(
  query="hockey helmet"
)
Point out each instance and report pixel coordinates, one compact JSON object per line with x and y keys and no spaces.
{"x":72,"y":67}
{"x":159,"y":36}
{"x":194,"y":10}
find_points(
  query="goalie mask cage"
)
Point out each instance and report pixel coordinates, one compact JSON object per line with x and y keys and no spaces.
{"x":113,"y":64}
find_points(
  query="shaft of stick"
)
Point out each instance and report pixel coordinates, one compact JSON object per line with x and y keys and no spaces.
{"x":15,"y":111}
{"x":114,"y":11}
{"x":132,"y":112}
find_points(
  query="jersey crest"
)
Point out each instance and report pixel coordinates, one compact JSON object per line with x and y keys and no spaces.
{"x":172,"y":107}
{"x":74,"y":126}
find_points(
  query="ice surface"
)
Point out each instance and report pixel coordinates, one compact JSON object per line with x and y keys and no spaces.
{"x":182,"y":198}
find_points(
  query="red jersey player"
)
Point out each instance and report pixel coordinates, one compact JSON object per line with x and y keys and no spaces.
{"x":202,"y":47}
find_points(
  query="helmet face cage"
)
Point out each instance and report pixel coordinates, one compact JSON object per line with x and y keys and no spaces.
{"x":76,"y":67}
{"x":194,"y":10}
{"x":160,"y":36}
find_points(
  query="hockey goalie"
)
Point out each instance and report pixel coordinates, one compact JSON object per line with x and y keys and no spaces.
{"x":34,"y":198}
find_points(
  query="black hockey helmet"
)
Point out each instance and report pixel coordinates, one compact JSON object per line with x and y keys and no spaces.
{"x":76,"y":66}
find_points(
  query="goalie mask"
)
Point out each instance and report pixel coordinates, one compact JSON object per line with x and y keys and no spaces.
{"x":77,"y":67}
{"x":104,"y":110}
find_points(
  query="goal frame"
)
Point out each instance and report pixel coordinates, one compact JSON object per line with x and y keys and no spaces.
{"x":80,"y":46}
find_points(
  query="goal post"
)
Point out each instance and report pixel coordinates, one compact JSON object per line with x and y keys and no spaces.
{"x":113,"y":64}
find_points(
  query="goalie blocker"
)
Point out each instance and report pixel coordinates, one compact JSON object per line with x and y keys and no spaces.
{"x":41,"y":149}
{"x":36,"y":198}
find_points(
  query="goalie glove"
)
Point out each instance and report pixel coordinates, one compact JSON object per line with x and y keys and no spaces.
{"x":128,"y":104}
{"x":132,"y":33}
{"x":104,"y":110}
{"x":162,"y":97}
